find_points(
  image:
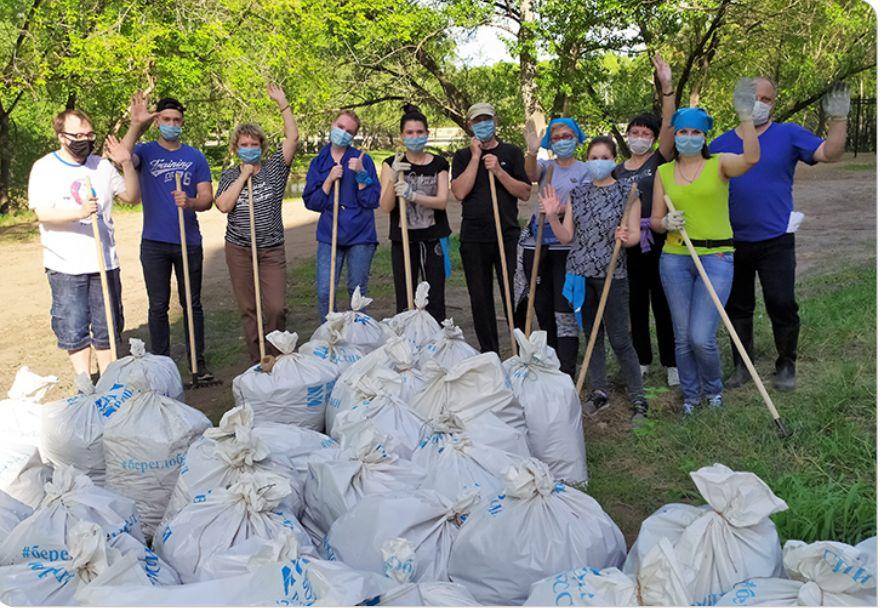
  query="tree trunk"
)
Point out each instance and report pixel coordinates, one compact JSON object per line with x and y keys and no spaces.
{"x":5,"y":160}
{"x":528,"y":62}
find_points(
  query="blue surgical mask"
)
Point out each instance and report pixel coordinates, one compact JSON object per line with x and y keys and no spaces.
{"x":689,"y":145}
{"x":170,"y":132}
{"x":249,"y":154}
{"x":340,"y":137}
{"x":484,"y":130}
{"x":601,"y":168}
{"x":416,"y":144}
{"x":564,"y":149}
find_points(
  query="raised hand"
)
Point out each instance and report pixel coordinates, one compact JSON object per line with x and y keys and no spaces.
{"x":550,"y":203}
{"x":836,"y":102}
{"x":532,"y":137}
{"x":355,"y":164}
{"x":138,"y":109}
{"x":662,"y":71}
{"x":117,"y":152}
{"x":277,"y":94}
{"x":743,"y":99}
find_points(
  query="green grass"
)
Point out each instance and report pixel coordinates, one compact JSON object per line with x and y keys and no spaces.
{"x":825,"y":471}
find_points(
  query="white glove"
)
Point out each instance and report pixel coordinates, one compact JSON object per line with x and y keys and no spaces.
{"x":402,"y":189}
{"x":674,"y":221}
{"x":743,"y":99}
{"x":836,"y":103}
{"x":398,"y":165}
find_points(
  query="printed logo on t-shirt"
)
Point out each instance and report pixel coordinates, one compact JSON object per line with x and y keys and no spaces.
{"x":420,"y":217}
{"x":168,"y":168}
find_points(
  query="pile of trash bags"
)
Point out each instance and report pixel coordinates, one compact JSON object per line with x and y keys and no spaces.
{"x":380,"y":463}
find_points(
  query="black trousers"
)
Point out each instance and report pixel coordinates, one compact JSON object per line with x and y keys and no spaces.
{"x":774,"y":261}
{"x":427,"y":259}
{"x":552,"y":310}
{"x":480,"y":260}
{"x":158,"y":260}
{"x":644,"y":286}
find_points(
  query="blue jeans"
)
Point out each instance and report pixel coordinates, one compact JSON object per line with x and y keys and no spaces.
{"x":78,"y":309}
{"x":359,"y":258}
{"x":696,"y":319}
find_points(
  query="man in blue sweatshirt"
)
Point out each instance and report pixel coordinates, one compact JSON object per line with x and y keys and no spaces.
{"x":358,"y":198}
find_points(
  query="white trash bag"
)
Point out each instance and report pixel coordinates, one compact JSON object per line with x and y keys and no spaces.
{"x":474,"y":386}
{"x":359,"y":329}
{"x":225,"y":517}
{"x":73,"y":427}
{"x":448,"y":347}
{"x":426,"y":519}
{"x":388,"y":412}
{"x":11,"y":513}
{"x":720,"y":544}
{"x":658,"y":584}
{"x":22,"y":473}
{"x":399,"y":561}
{"x":455,"y":464}
{"x":20,"y":411}
{"x":55,"y":582}
{"x":160,"y":371}
{"x":551,"y":406}
{"x":534,"y":529}
{"x":145,"y":444}
{"x":820,"y":574}
{"x":364,"y":467}
{"x":334,"y":348}
{"x":296,"y":389}
{"x":71,"y":497}
{"x":415,"y":325}
{"x":397,"y":355}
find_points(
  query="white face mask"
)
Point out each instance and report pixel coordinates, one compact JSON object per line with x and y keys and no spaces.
{"x":639,"y":146}
{"x":761,"y":112}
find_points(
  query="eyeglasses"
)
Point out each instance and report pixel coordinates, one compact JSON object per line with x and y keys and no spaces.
{"x":88,"y":136}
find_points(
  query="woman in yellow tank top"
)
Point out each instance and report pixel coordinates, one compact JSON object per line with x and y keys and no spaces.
{"x":698,"y":185}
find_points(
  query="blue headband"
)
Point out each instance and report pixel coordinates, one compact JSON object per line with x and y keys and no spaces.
{"x":570,"y":123}
{"x":695,"y":118}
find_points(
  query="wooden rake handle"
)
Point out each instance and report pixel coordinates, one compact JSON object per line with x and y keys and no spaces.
{"x":103,"y":276}
{"x":260,"y":323}
{"x":506,"y":281}
{"x":404,"y":236}
{"x":189,"y":308}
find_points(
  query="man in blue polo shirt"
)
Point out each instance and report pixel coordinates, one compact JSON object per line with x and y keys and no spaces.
{"x":760,"y":206}
{"x":158,"y":162}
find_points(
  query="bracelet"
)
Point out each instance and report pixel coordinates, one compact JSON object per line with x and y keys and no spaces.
{"x":667,"y":94}
{"x":285,"y":107}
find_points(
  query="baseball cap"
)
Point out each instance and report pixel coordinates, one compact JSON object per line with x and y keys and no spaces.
{"x":480,"y":108}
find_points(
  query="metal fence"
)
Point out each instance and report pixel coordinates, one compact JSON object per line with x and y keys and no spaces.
{"x":862,"y":126}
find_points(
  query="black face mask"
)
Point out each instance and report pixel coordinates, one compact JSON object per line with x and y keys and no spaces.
{"x":80,"y":148}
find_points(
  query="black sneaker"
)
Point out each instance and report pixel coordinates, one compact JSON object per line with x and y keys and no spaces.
{"x":739,"y":378}
{"x":204,"y":375}
{"x":599,"y":401}
{"x":640,"y":408}
{"x":785,"y":378}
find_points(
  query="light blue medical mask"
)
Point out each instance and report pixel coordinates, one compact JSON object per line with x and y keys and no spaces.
{"x":484,"y":130}
{"x":416,"y":144}
{"x":689,"y":145}
{"x":565,"y":148}
{"x":249,"y":154}
{"x":340,"y":137}
{"x":601,"y":168}
{"x":170,"y":132}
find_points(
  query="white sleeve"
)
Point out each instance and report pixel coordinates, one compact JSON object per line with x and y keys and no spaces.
{"x":116,"y":181}
{"x":39,"y":192}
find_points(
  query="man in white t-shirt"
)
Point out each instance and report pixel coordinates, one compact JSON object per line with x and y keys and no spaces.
{"x":58,"y":194}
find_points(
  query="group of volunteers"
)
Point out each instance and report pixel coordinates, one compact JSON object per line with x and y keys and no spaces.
{"x":732,"y":196}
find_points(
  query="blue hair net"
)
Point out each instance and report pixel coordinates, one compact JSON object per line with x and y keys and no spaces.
{"x":696,"y":118}
{"x":570,"y":123}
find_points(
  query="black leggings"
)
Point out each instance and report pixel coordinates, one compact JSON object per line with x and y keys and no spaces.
{"x":551,"y":308}
{"x":644,"y":284}
{"x":427,"y":264}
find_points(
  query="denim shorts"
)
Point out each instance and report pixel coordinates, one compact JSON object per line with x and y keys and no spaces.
{"x":78,"y":310}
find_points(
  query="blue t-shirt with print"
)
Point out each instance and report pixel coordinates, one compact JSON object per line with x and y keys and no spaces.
{"x":156,"y":170}
{"x":761,"y":200}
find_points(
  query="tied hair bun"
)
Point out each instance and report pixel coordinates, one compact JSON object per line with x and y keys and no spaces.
{"x":410,"y":109}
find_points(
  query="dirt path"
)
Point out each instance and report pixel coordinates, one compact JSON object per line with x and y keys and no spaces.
{"x":839,"y":202}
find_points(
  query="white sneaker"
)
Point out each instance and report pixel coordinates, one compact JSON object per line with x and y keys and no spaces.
{"x":673,"y":377}
{"x":644,"y":369}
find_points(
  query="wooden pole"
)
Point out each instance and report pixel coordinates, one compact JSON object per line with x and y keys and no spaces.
{"x":255,"y":278}
{"x":404,"y":236}
{"x":536,"y":257}
{"x":103,"y":276}
{"x":335,"y":200}
{"x":506,"y":281}
{"x":746,"y":359}
{"x":189,"y":309}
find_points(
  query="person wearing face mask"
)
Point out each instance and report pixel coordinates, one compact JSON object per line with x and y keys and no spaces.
{"x":479,"y":243}
{"x":644,"y":281}
{"x":58,"y":194}
{"x":591,"y":223}
{"x":158,"y":162}
{"x":698,"y":185}
{"x":425,"y":187}
{"x":359,"y":192}
{"x":269,"y":178}
{"x":760,"y":207}
{"x":562,"y":136}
